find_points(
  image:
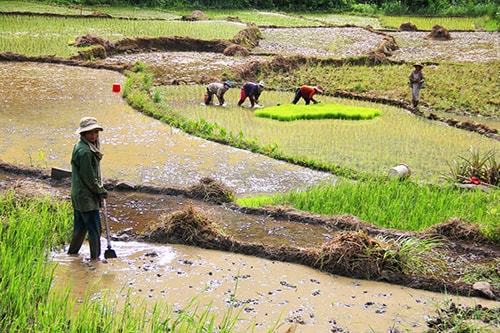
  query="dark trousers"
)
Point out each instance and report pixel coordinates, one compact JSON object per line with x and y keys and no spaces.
{"x":298,"y":95}
{"x":209,"y":97}
{"x":86,"y":222}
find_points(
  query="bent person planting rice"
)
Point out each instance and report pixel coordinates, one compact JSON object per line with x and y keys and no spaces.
{"x":307,"y":93}
{"x":252,"y":91}
{"x":218,"y":89}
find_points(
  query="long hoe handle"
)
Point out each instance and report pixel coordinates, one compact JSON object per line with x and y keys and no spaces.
{"x":109,"y":253}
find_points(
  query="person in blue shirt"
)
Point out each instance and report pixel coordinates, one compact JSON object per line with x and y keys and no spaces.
{"x":217,"y":89}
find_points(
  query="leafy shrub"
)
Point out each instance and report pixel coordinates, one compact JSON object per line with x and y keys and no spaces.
{"x":476,"y":168}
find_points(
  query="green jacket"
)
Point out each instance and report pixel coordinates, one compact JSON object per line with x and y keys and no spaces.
{"x":86,"y":186}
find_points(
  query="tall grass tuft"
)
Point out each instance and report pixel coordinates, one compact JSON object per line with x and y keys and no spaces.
{"x":29,"y":229}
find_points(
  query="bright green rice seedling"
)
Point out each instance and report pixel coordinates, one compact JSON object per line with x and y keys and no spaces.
{"x":450,"y":23}
{"x":289,"y":112}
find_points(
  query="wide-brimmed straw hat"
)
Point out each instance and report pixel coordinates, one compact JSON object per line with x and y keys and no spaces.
{"x":88,"y":124}
{"x":418,"y":65}
{"x":319,"y":89}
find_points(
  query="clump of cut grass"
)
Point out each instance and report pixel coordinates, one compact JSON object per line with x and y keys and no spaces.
{"x":355,"y":253}
{"x":289,"y":112}
{"x":210,"y":190}
{"x":189,"y":226}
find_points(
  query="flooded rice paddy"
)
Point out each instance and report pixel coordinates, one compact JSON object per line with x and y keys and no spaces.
{"x":266,"y":292}
{"x":40,"y":107}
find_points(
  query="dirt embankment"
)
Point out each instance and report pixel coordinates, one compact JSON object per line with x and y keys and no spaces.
{"x":462,"y":246}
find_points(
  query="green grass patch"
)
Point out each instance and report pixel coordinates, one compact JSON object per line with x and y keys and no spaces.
{"x":402,"y":205}
{"x":289,"y":112}
{"x":41,"y":7}
{"x":261,"y":18}
{"x":39,"y":35}
{"x":448,"y":22}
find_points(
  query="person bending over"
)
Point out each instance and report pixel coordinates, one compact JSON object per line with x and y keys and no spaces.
{"x":307,"y":93}
{"x":217,"y":89}
{"x":252,"y":91}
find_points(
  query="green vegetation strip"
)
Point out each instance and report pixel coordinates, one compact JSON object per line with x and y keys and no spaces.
{"x":290,"y":112}
{"x":396,"y":204}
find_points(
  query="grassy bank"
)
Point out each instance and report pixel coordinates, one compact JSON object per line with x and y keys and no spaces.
{"x":32,"y":227}
{"x":395,"y":204}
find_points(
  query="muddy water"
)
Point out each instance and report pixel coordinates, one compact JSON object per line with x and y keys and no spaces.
{"x":40,"y":106}
{"x":266,"y":292}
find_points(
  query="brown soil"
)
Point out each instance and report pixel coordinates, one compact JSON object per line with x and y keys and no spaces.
{"x":355,"y":249}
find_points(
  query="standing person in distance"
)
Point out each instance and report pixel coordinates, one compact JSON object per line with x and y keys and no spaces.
{"x":252,"y":91}
{"x":416,"y":79}
{"x":307,"y":93}
{"x":87,"y":190}
{"x":217,"y":89}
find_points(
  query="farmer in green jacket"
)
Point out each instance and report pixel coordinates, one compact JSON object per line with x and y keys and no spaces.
{"x":87,"y":190}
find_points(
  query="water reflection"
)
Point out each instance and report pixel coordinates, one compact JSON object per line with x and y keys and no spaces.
{"x":42,"y":104}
